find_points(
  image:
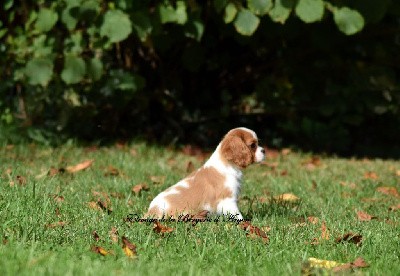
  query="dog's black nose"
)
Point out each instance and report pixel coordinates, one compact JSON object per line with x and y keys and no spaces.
{"x":263,"y":150}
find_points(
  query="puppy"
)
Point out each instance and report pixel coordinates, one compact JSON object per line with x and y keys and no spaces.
{"x":215,"y":186}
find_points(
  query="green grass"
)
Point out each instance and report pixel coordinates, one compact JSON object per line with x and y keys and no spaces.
{"x":29,"y":246}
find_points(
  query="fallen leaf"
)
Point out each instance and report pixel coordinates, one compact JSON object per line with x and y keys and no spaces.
{"x":157,"y":179}
{"x":271,"y":153}
{"x":79,"y":167}
{"x":190,"y":167}
{"x":114,"y":235}
{"x":253,"y":231}
{"x":371,"y":175}
{"x":21,"y":180}
{"x":100,"y":250}
{"x":284,"y":173}
{"x":103,"y":201}
{"x":128,"y":247}
{"x":56,"y":224}
{"x":324,"y":231}
{"x":312,"y":163}
{"x":58,"y":198}
{"x":94,"y":205}
{"x":286,"y":151}
{"x":288,"y":197}
{"x":54,"y":171}
{"x":111,"y":171}
{"x":362,"y":216}
{"x":313,"y":220}
{"x":350,"y":185}
{"x":139,"y":187}
{"x":318,"y":263}
{"x":95,"y":236}
{"x":133,"y":152}
{"x":350,"y":237}
{"x":357,"y":263}
{"x":159,"y":228}
{"x":397,"y":173}
{"x":392,"y":191}
{"x":394,"y":207}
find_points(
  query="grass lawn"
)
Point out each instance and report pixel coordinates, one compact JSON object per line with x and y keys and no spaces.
{"x":52,"y":218}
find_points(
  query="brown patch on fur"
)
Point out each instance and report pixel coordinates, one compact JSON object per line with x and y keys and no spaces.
{"x":206,"y":188}
{"x":236,"y":147}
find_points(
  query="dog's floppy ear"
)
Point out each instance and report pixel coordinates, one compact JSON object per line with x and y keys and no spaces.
{"x":235,"y":150}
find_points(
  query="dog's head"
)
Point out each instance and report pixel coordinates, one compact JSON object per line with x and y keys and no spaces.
{"x":240,"y":147}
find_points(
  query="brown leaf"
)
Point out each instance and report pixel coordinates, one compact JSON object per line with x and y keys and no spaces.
{"x":53,"y":171}
{"x":362,"y":216}
{"x":286,"y":151}
{"x":56,"y":224}
{"x":128,"y":247}
{"x":392,"y":191}
{"x":357,"y":263}
{"x":272,"y":153}
{"x":371,"y":175}
{"x":394,"y":207}
{"x":94,"y":205}
{"x":114,"y":235}
{"x":159,"y":228}
{"x":254,"y":231}
{"x":313,"y":220}
{"x":58,"y":198}
{"x":287,"y":197}
{"x":350,"y":237}
{"x":190,"y":167}
{"x":79,"y":167}
{"x":157,"y":179}
{"x":96,"y":236}
{"x":21,"y":180}
{"x":324,"y":231}
{"x":111,"y":171}
{"x":312,"y":163}
{"x":349,"y":185}
{"x":133,"y":152}
{"x":103,"y":201}
{"x":139,"y":187}
{"x":99,"y":250}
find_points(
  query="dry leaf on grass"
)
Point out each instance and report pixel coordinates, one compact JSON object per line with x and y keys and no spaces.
{"x":350,"y":237}
{"x":287,"y":197}
{"x":103,"y":201}
{"x":392,"y":191}
{"x":394,"y":207}
{"x":79,"y":167}
{"x":100,"y":250}
{"x":313,"y":220}
{"x":114,"y":235}
{"x":111,"y":171}
{"x":254,"y":231}
{"x":357,"y":263}
{"x":21,"y":180}
{"x":58,"y":198}
{"x":324,"y":231}
{"x":128,"y":247}
{"x":159,"y":228}
{"x":190,"y":167}
{"x":371,"y":175}
{"x":157,"y":179}
{"x":95,"y":236}
{"x":56,"y":224}
{"x":362,"y":216}
{"x":139,"y":187}
{"x":312,"y":163}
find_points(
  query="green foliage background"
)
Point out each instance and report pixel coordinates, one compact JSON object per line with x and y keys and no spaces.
{"x":321,"y":74}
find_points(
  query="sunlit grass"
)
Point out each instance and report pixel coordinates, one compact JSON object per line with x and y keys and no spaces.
{"x":47,"y":219}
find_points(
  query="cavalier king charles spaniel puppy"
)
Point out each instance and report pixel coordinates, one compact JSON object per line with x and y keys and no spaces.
{"x":215,"y":186}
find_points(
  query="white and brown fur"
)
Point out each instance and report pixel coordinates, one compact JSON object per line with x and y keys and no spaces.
{"x":215,"y":186}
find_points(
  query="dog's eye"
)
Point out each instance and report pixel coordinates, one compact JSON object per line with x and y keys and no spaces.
{"x":253,"y":145}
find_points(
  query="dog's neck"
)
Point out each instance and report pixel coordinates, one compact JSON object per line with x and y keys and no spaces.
{"x":217,"y":161}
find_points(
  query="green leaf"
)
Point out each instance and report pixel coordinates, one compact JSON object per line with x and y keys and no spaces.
{"x":39,"y":71}
{"x":74,"y":69}
{"x":8,"y":4}
{"x":194,"y":29}
{"x":116,"y":26}
{"x":70,"y":14}
{"x":281,"y":10}
{"x":310,"y":11}
{"x":259,"y":7}
{"x":46,"y":20}
{"x":230,"y":13}
{"x":168,"y":14}
{"x":141,"y":24}
{"x":246,"y":23}
{"x":95,"y":68}
{"x":126,"y":81}
{"x":348,"y":21}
